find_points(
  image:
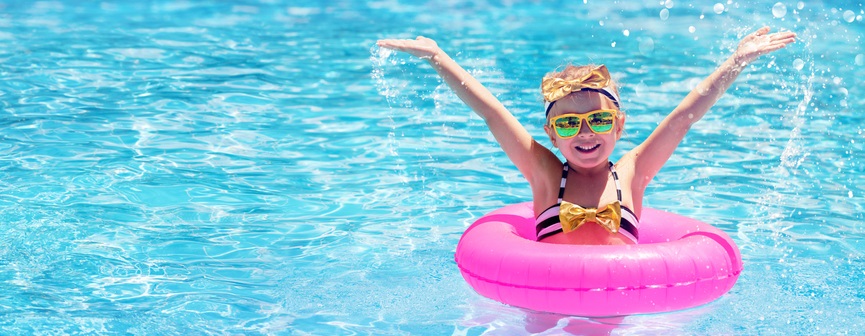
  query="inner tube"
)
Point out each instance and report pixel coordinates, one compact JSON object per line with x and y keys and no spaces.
{"x":678,"y":263}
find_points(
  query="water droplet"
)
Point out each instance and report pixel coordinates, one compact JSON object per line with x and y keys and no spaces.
{"x":798,"y":64}
{"x":850,"y":194}
{"x":665,"y":13}
{"x":626,"y":32}
{"x":849,"y":16}
{"x":836,"y":80}
{"x":613,"y":44}
{"x":384,"y":52}
{"x":668,"y":4}
{"x":860,"y":59}
{"x":719,"y":8}
{"x":692,"y":29}
{"x":800,"y":5}
{"x":779,"y":10}
{"x":647,"y":46}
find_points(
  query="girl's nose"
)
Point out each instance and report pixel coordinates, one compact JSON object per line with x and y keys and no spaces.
{"x":584,"y":129}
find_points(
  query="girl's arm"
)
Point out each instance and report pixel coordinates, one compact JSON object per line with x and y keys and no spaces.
{"x":517,"y":143}
{"x":651,"y":155}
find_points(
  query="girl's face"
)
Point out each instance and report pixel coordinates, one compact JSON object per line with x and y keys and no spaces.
{"x":587,"y":149}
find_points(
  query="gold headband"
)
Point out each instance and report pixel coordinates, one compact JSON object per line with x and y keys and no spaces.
{"x":556,"y":88}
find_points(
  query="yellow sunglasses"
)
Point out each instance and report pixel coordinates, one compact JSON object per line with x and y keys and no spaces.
{"x":599,"y":121}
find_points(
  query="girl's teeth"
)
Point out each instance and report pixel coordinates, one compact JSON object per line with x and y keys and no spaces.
{"x":587,"y":149}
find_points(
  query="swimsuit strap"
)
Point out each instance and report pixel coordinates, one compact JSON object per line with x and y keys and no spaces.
{"x":564,"y":181}
{"x":616,"y":178}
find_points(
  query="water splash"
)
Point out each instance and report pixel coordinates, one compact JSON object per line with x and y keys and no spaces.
{"x":798,"y":64}
{"x":381,"y":57}
{"x":771,"y":211}
{"x":779,"y":10}
{"x":397,"y":91}
{"x":390,"y":90}
{"x":849,"y":16}
{"x":795,"y":152}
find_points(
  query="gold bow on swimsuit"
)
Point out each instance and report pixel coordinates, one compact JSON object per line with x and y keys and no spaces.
{"x":557,"y":88}
{"x":573,"y":216}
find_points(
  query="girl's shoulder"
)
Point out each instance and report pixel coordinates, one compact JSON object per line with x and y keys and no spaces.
{"x":627,"y":170}
{"x":547,"y":172}
{"x":627,"y":163}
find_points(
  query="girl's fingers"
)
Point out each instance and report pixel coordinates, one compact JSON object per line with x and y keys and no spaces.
{"x":392,"y":44}
{"x":401,"y":44}
{"x":785,"y":40}
{"x":386,"y":43}
{"x":761,"y":31}
{"x":783,"y":36}
{"x":775,"y":46}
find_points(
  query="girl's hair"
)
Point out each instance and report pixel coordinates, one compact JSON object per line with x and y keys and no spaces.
{"x":576,"y":71}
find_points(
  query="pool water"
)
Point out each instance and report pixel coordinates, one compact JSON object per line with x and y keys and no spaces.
{"x":260,"y":167}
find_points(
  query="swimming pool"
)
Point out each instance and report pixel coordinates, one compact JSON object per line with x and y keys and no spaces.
{"x":258,"y":167}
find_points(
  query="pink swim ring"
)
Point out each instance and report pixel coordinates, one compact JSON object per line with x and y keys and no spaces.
{"x":679,"y":263}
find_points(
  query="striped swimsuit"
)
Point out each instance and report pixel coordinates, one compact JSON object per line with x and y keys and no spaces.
{"x":548,"y":222}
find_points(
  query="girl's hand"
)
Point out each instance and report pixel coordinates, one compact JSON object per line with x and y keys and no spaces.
{"x":421,"y":47}
{"x":760,"y":43}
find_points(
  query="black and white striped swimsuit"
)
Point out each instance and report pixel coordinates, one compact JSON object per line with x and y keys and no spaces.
{"x":548,"y":222}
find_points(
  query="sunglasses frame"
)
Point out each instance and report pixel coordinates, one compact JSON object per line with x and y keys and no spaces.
{"x":583,"y":117}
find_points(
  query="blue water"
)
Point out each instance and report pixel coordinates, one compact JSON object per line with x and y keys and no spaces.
{"x":259,"y":167}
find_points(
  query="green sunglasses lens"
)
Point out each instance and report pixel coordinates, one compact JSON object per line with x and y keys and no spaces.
{"x":600,"y":122}
{"x":567,"y":126}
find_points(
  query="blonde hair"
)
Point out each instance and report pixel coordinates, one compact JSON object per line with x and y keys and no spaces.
{"x":577,"y":71}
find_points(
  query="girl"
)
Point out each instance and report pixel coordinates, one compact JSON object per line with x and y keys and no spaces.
{"x":588,"y":199}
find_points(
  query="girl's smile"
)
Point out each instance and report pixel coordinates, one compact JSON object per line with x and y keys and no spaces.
{"x":586,"y":149}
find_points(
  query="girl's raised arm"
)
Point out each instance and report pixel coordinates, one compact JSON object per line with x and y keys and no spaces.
{"x":651,"y":155}
{"x":517,"y":143}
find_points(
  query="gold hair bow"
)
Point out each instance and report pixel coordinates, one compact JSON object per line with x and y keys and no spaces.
{"x":556,"y":88}
{"x":573,"y":216}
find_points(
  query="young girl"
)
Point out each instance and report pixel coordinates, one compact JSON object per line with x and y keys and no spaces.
{"x":588,"y":199}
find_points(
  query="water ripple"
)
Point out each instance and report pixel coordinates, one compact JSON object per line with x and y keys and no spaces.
{"x":257,"y":167}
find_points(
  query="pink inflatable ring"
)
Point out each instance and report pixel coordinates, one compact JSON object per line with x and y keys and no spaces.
{"x":679,"y":263}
